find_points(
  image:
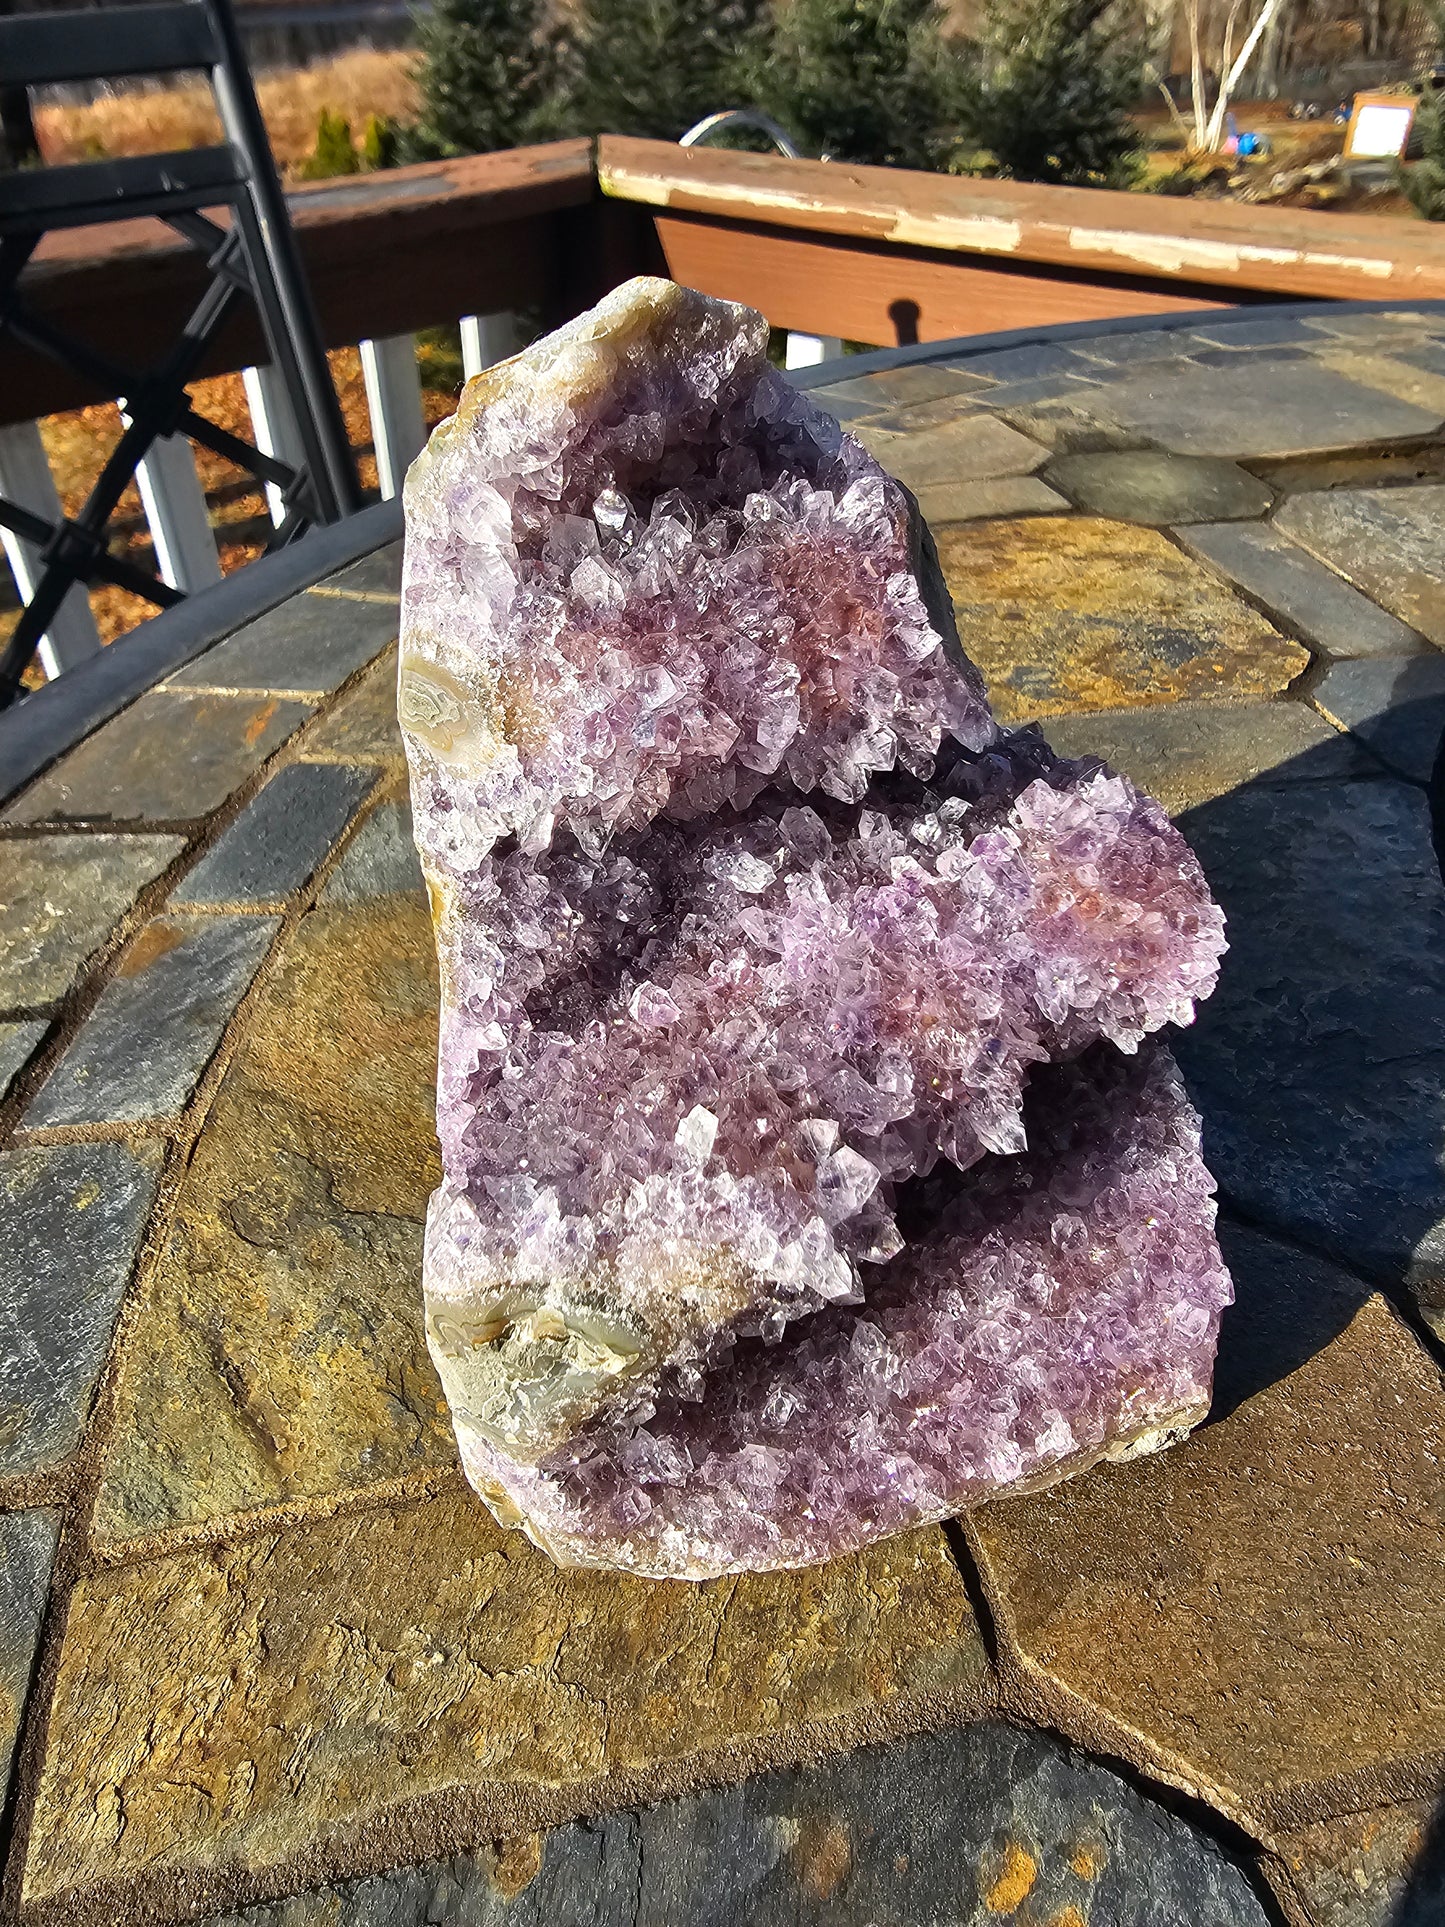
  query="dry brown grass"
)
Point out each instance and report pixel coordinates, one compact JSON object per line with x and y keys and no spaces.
{"x":161,"y":119}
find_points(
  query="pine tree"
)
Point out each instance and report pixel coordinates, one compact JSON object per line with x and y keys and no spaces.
{"x":1051,"y":89}
{"x":654,"y":67}
{"x":334,"y":152}
{"x":860,"y":80}
{"x":486,"y":77}
{"x":1424,"y":181}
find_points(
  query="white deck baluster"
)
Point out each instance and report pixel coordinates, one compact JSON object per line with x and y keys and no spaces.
{"x":393,"y":395}
{"x":175,"y":506}
{"x":486,"y":340}
{"x":806,"y":351}
{"x":274,"y":426}
{"x":25,"y":480}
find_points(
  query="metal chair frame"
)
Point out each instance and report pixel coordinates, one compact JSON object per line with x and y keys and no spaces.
{"x":254,"y":256}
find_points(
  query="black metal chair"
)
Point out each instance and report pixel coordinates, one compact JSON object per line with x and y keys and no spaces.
{"x":253,"y":255}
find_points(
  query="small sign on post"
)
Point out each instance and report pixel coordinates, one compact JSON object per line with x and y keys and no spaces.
{"x":1379,"y":126}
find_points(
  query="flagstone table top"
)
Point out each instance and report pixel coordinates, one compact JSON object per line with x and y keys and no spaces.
{"x":266,"y":1662}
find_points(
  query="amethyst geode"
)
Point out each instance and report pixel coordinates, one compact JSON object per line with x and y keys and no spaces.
{"x":808,"y":1172}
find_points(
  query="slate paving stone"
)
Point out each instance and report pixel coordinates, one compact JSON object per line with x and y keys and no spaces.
{"x":903,"y":387}
{"x":27,"y":1549}
{"x":1307,"y":473}
{"x":362,"y":727}
{"x":1397,"y":707}
{"x":307,"y":647}
{"x":1381,"y":1868}
{"x":1027,"y":363}
{"x":1429,"y":355}
{"x":1258,"y":1611}
{"x":321,"y":1683}
{"x":60,"y":898}
{"x":926,"y":414}
{"x":278,"y":1351}
{"x":1262,"y":331}
{"x":1254,"y":410}
{"x":17,"y":1047}
{"x":1142,"y":485}
{"x":1300,"y":591}
{"x":1143,"y":344}
{"x":1391,"y":376}
{"x":279,"y":838}
{"x":1189,"y":753}
{"x":975,"y":450}
{"x":1389,"y":324}
{"x":976,"y":501}
{"x":960,"y":1828}
{"x":378,"y":574}
{"x":170,"y":757}
{"x":142,"y":1050}
{"x":72,"y":1217}
{"x":842,"y":407}
{"x":1390,"y":542}
{"x":1079,"y":613}
{"x":1042,"y":389}
{"x":1066,"y":430}
{"x":1319,"y":1062}
{"x":1229,"y":358}
{"x":379,"y":861}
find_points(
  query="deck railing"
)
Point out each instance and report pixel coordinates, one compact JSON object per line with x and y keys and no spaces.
{"x":829,"y":252}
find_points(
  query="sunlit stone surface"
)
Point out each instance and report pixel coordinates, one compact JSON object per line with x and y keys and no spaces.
{"x":802,"y":1181}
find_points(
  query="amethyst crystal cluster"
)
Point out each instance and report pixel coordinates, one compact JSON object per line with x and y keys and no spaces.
{"x":811,"y":1169}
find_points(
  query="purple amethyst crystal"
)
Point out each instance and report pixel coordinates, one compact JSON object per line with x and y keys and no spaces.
{"x":804,"y":1175}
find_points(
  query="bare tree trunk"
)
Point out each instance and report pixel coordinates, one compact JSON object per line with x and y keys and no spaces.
{"x":1196,"y":74}
{"x":1229,"y":78}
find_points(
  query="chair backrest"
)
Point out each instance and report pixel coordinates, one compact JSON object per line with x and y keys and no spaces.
{"x":255,"y":254}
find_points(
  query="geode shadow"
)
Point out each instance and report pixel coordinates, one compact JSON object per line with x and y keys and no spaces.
{"x":1319,"y":1064}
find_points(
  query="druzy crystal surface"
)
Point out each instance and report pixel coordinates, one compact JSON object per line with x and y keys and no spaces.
{"x":811,"y":1169}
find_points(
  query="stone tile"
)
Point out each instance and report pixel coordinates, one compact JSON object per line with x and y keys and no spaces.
{"x":141,"y":1052}
{"x":1381,"y":1868}
{"x":1319,"y":1062}
{"x":1306,"y":473}
{"x":276,"y":1700}
{"x":72,"y":1217}
{"x":1080,"y":614}
{"x":842,"y":407}
{"x":1393,"y":324}
{"x":1263,"y":331}
{"x":1066,"y":430}
{"x":1045,"y":388}
{"x":170,"y":757}
{"x":1390,"y":542}
{"x":17,"y":1047}
{"x":1229,"y":358}
{"x":378,"y":574}
{"x":278,"y":1352}
{"x":1257,"y":409}
{"x":1142,"y":344}
{"x":1142,"y":485}
{"x":1190,"y":753}
{"x":1028,"y":363}
{"x":60,"y":898}
{"x":961,"y":1827}
{"x":307,"y":647}
{"x":362,"y":728}
{"x":379,"y":861}
{"x":976,"y":501}
{"x":1300,"y":591}
{"x":903,"y":387}
{"x":280,"y":837}
{"x":925,"y":414}
{"x":1397,"y":707}
{"x":975,"y":450}
{"x":1429,"y":355}
{"x":27,"y":1548}
{"x":1256,"y":1613}
{"x":1422,"y":388}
